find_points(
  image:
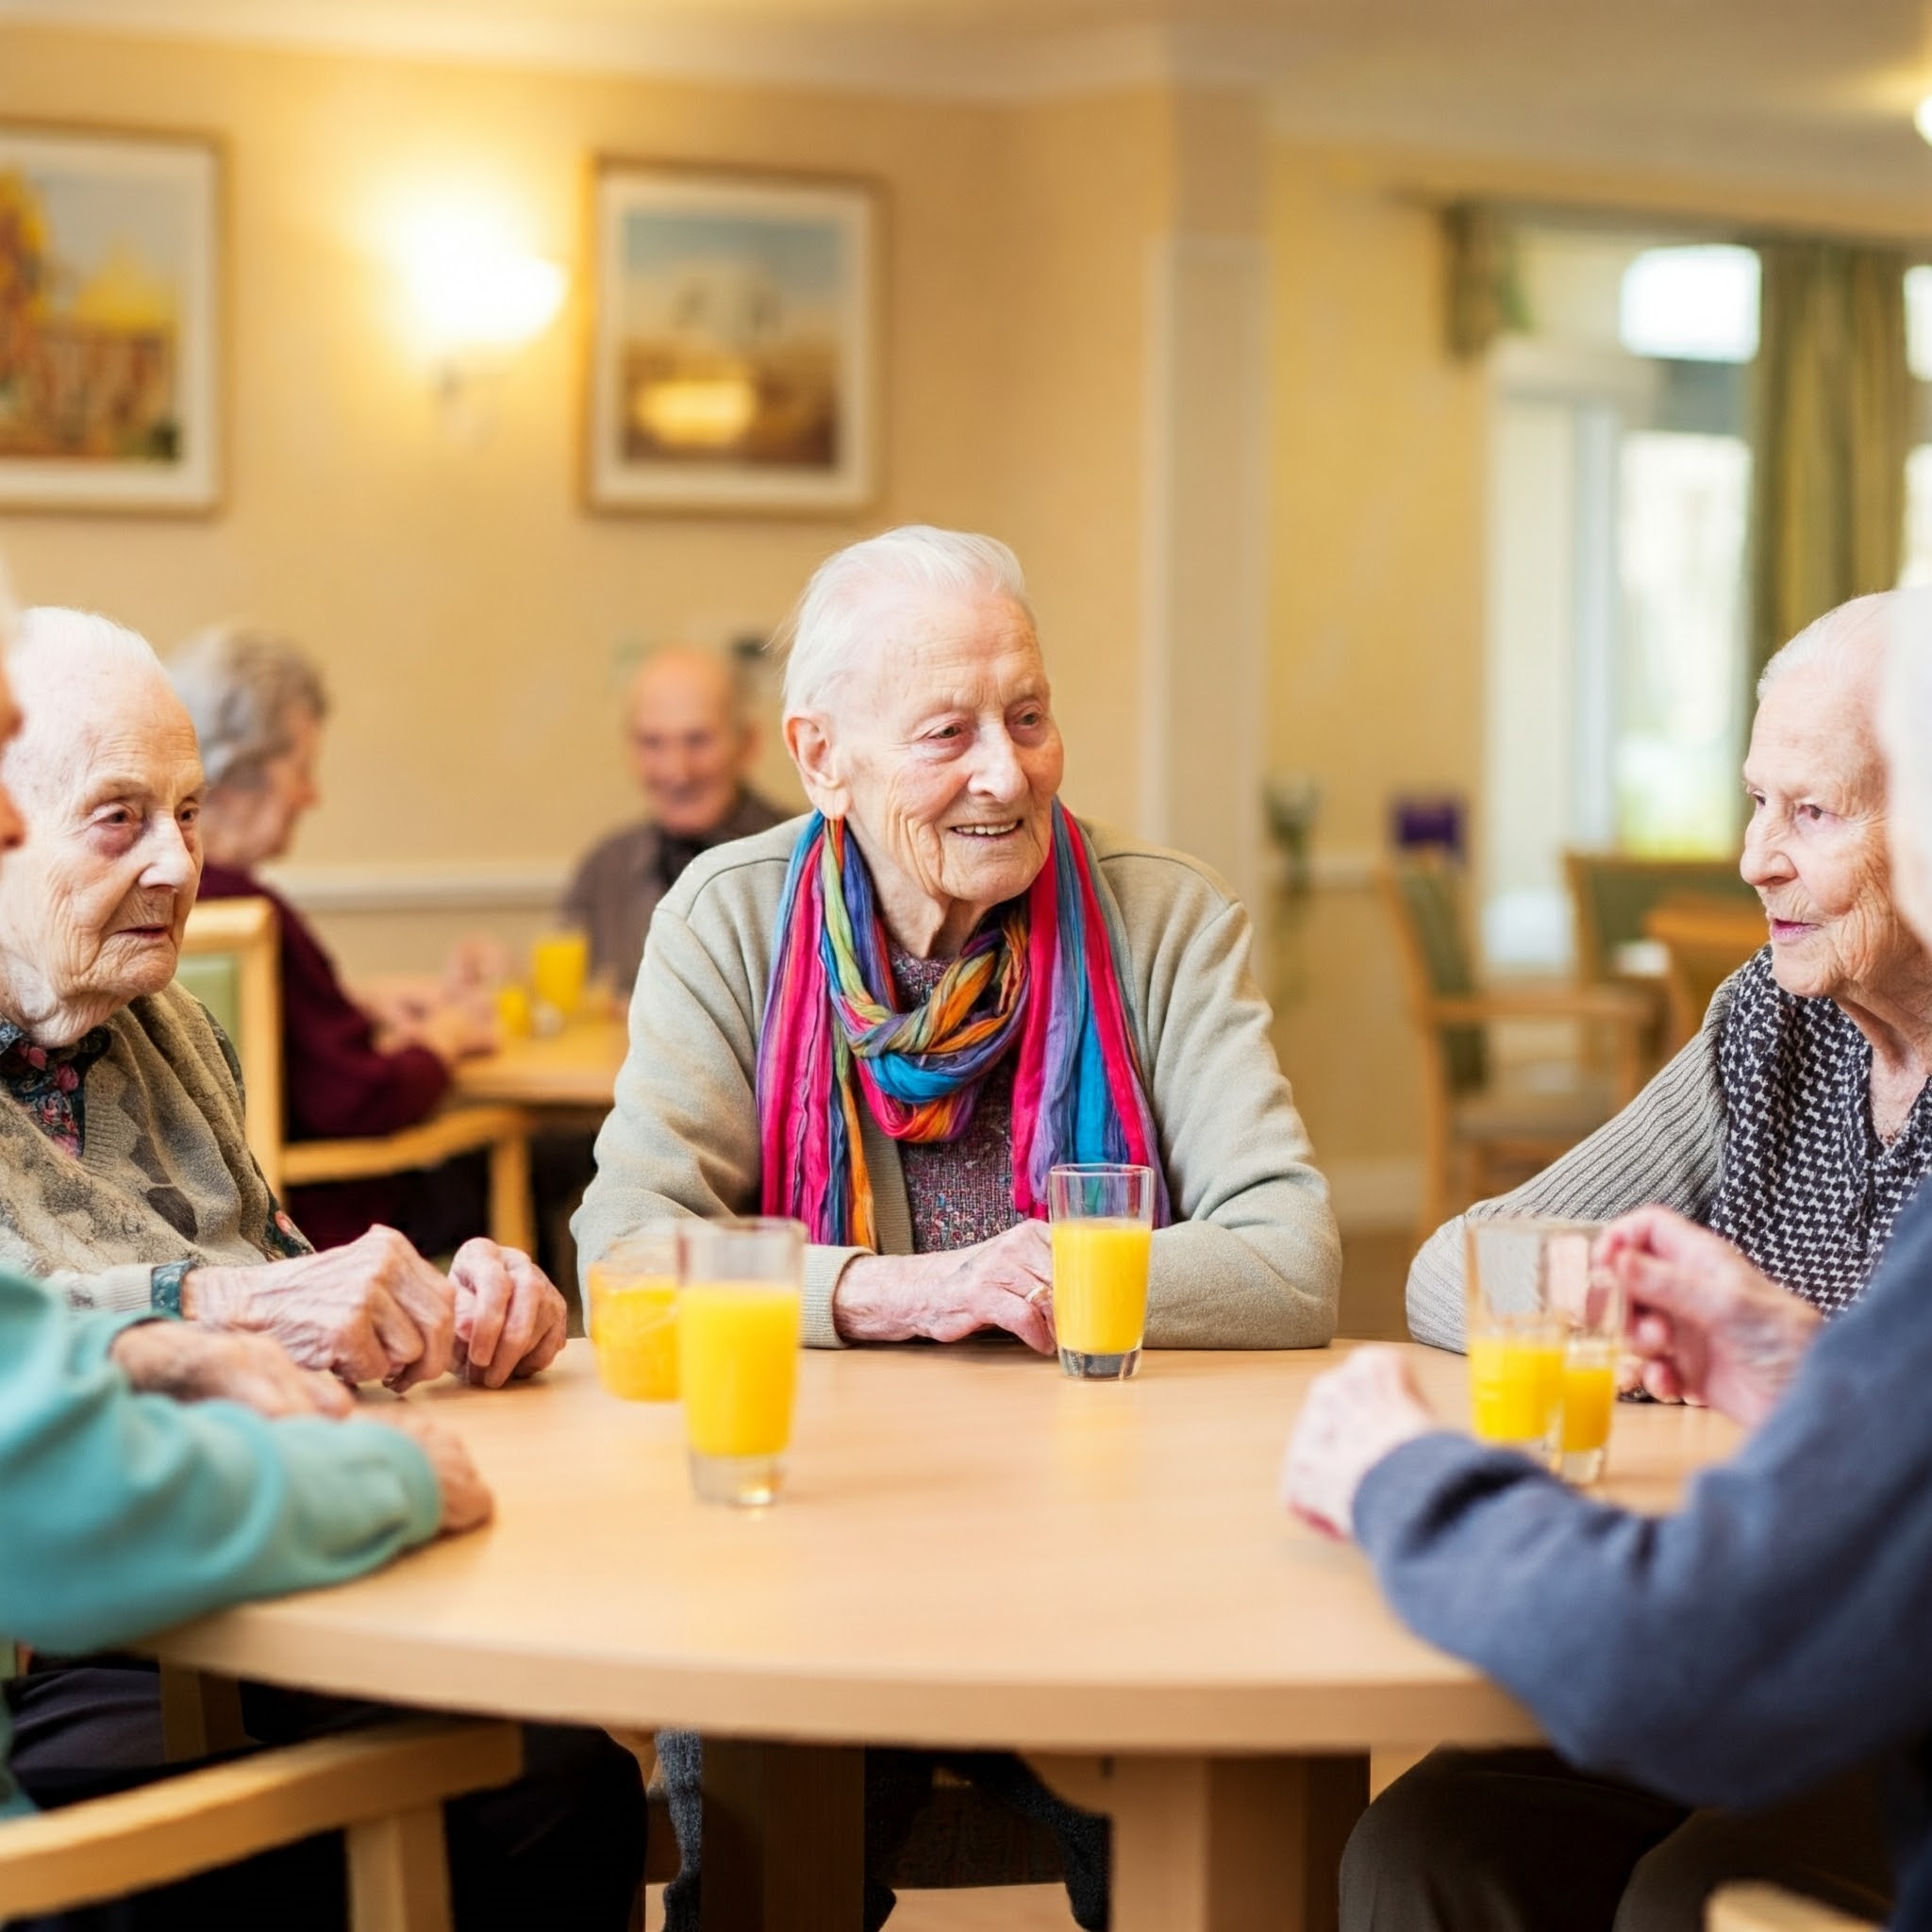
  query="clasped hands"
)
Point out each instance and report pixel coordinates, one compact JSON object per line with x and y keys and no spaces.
{"x":1704,"y":1327}
{"x":1003,"y":1283}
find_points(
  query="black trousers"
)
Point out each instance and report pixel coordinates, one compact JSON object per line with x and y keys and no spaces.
{"x":1520,"y":1841}
{"x":562,"y":1847}
{"x":898,"y":1786}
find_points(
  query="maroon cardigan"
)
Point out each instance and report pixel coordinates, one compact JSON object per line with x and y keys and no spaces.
{"x":336,"y":1082}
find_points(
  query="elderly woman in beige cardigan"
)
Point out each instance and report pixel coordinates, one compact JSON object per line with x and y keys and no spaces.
{"x":919,"y":713}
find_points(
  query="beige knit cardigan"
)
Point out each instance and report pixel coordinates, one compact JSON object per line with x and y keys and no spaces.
{"x":1253,"y":1260}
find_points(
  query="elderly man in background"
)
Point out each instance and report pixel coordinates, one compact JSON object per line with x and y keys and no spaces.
{"x":1799,"y":1122}
{"x":123,"y":1511}
{"x":1765,"y":1641}
{"x":892,"y":1018}
{"x":126,"y":1178}
{"x":690,"y":747}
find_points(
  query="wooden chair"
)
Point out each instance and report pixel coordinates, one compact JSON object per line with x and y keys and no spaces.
{"x":384,"y":1788}
{"x":1705,"y":941}
{"x":1480,"y":1123}
{"x":1614,"y":893}
{"x":1765,"y":1909}
{"x":230,"y":960}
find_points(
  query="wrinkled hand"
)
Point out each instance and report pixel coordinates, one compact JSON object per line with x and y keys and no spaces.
{"x":1704,"y":1323}
{"x":1004,"y":1283}
{"x":1354,"y":1416}
{"x":511,"y":1321}
{"x":195,"y":1364}
{"x":467,"y":1502}
{"x":374,"y":1310}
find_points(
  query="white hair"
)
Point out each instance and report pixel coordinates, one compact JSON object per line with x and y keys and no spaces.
{"x":244,"y":689}
{"x":1905,"y":732}
{"x":9,"y":610}
{"x":48,"y":637}
{"x":1831,"y":638}
{"x":826,"y":634}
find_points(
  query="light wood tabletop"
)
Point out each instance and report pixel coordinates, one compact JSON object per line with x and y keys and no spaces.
{"x":973,"y":1551}
{"x":576,"y":1068}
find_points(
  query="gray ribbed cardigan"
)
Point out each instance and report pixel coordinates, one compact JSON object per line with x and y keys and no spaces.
{"x":1666,"y":1146}
{"x":1253,"y":1260}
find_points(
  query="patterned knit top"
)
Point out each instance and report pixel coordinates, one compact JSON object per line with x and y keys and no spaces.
{"x":1807,"y":1187}
{"x":960,"y":1191}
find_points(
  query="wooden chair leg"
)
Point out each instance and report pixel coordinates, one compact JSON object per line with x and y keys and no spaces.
{"x":511,"y":1218}
{"x":399,"y":1874}
{"x":200,"y":1715}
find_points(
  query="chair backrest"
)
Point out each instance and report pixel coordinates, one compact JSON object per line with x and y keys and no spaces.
{"x":1426,"y":893}
{"x":1705,"y":941}
{"x":1612,"y":894}
{"x":230,"y":962}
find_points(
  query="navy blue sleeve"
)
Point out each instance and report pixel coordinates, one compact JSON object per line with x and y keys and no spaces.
{"x":1771,"y":1634}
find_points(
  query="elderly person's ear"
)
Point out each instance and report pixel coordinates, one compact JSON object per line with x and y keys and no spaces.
{"x":810,"y":745}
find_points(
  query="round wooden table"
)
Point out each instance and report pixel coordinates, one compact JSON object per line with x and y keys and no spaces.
{"x":973,"y":1552}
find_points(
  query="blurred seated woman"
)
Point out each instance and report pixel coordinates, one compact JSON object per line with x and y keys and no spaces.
{"x":1799,"y":1122}
{"x":125,"y":1176}
{"x":350,"y":1069}
{"x":892,"y":1018}
{"x":889,"y":1020}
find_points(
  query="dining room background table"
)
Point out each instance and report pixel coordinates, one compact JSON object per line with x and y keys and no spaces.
{"x":972,"y":1552}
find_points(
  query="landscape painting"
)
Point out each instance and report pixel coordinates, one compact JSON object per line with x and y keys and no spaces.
{"x":731,"y":354}
{"x":109,"y":285}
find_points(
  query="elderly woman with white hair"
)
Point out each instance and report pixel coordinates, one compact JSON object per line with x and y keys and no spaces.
{"x":1799,"y":1120}
{"x":892,"y":1018}
{"x":889,"y":1020}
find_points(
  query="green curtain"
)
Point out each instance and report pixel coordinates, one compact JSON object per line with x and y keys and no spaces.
{"x":1483,"y":295}
{"x":1832,"y":425}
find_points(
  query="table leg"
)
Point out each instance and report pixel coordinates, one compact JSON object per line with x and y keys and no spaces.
{"x":1221,"y":1844}
{"x":784,"y":1837}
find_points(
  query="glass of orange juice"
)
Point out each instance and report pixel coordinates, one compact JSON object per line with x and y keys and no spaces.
{"x":632,"y":1317}
{"x":1544,"y":1328}
{"x":737,"y":1334}
{"x":1103,"y":1240}
{"x":559,"y":968}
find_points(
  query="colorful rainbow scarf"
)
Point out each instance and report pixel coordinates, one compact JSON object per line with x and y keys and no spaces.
{"x":1039,"y":976}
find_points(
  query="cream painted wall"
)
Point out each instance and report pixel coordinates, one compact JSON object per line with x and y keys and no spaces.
{"x":1376,"y":616}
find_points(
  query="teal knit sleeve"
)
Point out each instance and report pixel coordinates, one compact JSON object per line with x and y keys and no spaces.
{"x":121,"y":1513}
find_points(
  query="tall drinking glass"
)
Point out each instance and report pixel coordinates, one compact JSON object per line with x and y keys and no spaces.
{"x":1103,"y":1240}
{"x":738,"y":1332}
{"x":560,"y":967}
{"x":632,"y":1316}
{"x":1546,"y":1324}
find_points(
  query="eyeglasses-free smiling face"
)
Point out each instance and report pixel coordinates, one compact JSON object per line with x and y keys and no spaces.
{"x":1815,"y":847}
{"x":942,"y":755}
{"x":92,"y":905}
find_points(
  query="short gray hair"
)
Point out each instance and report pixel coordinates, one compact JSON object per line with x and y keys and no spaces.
{"x":822,"y":636}
{"x":49,"y":632}
{"x":242,"y":688}
{"x":1831,"y":637}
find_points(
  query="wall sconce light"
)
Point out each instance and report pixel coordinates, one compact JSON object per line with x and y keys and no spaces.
{"x":477,"y":298}
{"x":1921,"y":118}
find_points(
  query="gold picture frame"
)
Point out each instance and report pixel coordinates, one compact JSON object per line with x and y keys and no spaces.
{"x":111,"y":321}
{"x":733,"y":342}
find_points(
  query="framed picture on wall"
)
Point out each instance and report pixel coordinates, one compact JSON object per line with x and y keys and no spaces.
{"x":733,"y":342}
{"x":110,"y":320}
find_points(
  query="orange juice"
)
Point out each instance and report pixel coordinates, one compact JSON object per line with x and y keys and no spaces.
{"x":1589,"y":1393}
{"x":1100,"y":1284}
{"x":560,"y":964}
{"x":1515,"y":1386}
{"x":738,"y":1364}
{"x":633,"y":1323}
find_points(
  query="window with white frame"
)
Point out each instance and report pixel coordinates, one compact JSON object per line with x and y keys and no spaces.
{"x":1620,"y":481}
